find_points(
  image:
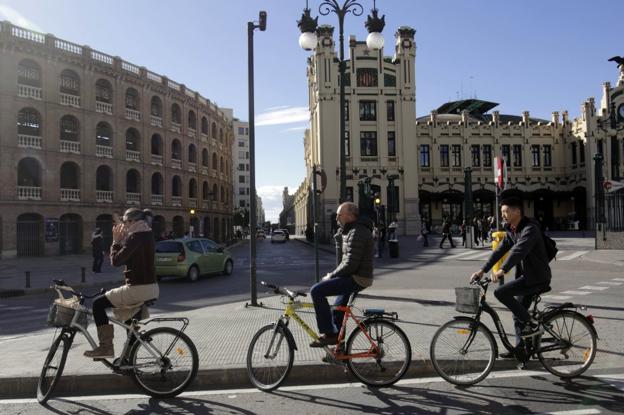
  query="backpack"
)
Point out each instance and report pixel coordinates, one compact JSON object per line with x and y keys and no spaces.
{"x":551,"y":247}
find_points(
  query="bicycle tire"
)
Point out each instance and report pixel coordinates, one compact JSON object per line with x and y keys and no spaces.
{"x":53,"y":369}
{"x":166,"y":376}
{"x":396,"y":356}
{"x":455,"y":366}
{"x":581,"y":346}
{"x":271,"y":376}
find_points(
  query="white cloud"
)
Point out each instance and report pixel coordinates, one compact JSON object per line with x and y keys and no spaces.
{"x":300,"y":128}
{"x":279,"y":107}
{"x":286,"y":115}
{"x":271,"y":201}
{"x":15,"y":17}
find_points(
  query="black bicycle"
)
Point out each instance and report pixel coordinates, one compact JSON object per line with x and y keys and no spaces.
{"x":162,"y":361}
{"x":463,"y":350}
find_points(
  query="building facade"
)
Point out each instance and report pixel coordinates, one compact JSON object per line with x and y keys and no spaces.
{"x":84,"y":135}
{"x":240,"y":164}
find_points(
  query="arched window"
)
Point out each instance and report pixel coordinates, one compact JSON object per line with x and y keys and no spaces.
{"x":214,"y":130}
{"x":215,"y":192}
{"x":133,"y":181}
{"x":29,"y":122}
{"x":156,"y":145}
{"x":176,"y":150}
{"x":103,"y":91}
{"x":204,"y":125}
{"x":192,"y":154}
{"x":104,"y":179}
{"x":192,"y":189}
{"x":176,"y":114}
{"x":222,"y":195}
{"x":214,"y":161}
{"x":221,"y":134}
{"x":156,"y":107}
{"x":29,"y":172}
{"x":157,"y":184}
{"x":133,"y":139}
{"x":221,"y":166}
{"x":69,"y":128}
{"x":70,"y":83}
{"x":104,"y":134}
{"x":205,"y":158}
{"x":70,"y":176}
{"x":176,"y":186}
{"x":29,"y":73}
{"x":205,"y":191}
{"x":132,"y":99}
{"x":192,"y":120}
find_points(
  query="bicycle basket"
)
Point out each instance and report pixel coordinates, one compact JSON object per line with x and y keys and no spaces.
{"x":61,"y":315}
{"x":467,"y":299}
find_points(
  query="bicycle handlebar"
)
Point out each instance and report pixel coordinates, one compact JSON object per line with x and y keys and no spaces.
{"x":483,"y":282}
{"x":284,"y":291}
{"x":61,"y":285}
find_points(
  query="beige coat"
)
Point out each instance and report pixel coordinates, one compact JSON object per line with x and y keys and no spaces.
{"x":128,"y":299}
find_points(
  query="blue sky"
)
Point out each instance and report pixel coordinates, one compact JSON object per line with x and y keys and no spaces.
{"x":540,"y":56}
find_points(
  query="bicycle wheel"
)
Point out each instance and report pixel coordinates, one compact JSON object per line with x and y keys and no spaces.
{"x":390,"y":363}
{"x":53,"y":366}
{"x":568,"y":346}
{"x":458,"y":362}
{"x":269,"y":357}
{"x":164,"y":363}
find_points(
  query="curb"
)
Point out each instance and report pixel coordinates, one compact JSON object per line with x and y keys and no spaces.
{"x":321,"y":248}
{"x":10,"y":292}
{"x":215,"y":379}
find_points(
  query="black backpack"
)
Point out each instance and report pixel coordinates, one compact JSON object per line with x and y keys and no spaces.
{"x":551,"y":247}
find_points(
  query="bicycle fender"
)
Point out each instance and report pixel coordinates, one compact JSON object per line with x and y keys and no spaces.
{"x":485,"y":328}
{"x":289,"y":336}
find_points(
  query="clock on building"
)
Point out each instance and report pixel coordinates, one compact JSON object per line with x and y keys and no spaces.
{"x":621,"y":112}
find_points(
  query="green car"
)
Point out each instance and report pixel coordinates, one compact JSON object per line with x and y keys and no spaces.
{"x":191,"y":258}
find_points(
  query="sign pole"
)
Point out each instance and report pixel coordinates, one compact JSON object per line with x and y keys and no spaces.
{"x":316,"y":251}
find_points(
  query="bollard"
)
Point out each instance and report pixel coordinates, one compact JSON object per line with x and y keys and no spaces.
{"x":497,"y":238}
{"x":82,"y":274}
{"x":27,"y":279}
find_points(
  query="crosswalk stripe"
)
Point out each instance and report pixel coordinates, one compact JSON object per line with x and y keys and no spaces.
{"x":593,"y":288}
{"x":556,"y":297}
{"x":572,"y":256}
{"x":576,"y":292}
{"x":618,"y":279}
{"x":611,"y":283}
{"x":463,"y":254}
{"x":480,"y":255}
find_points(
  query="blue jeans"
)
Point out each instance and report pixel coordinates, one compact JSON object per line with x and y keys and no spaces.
{"x":342,"y":287}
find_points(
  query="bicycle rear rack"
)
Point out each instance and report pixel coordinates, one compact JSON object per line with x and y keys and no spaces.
{"x":183,"y":320}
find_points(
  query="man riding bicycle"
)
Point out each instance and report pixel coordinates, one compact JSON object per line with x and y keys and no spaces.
{"x":353,"y":274}
{"x":525,"y":244}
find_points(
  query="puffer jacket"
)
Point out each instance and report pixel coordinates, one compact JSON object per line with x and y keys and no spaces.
{"x":355,"y":255}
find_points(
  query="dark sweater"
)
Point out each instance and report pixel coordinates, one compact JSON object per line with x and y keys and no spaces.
{"x":356,"y":253}
{"x":137,"y":254}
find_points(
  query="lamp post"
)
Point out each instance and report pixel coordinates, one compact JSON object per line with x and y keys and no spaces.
{"x":468,"y":207}
{"x":308,"y":41}
{"x":251,"y":26}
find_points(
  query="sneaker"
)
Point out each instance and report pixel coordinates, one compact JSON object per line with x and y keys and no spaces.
{"x":507,"y":355}
{"x":325,"y":340}
{"x":531,"y":329}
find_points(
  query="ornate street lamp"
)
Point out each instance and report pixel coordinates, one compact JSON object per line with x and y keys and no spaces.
{"x":308,"y":41}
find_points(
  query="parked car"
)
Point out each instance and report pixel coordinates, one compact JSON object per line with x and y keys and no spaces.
{"x":286,"y":233}
{"x":278,"y":236}
{"x":191,"y":258}
{"x":260,"y":234}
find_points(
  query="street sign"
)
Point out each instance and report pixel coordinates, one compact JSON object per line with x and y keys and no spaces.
{"x":319,"y":174}
{"x":612,"y":185}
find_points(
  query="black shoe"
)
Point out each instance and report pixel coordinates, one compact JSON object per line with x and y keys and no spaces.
{"x":325,"y":340}
{"x":507,"y":355}
{"x":531,"y":329}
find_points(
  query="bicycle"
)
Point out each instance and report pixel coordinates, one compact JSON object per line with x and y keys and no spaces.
{"x":162,"y":361}
{"x":463,"y":350}
{"x":377,"y":351}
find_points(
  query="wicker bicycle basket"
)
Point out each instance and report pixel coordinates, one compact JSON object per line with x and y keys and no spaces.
{"x":467,"y":299}
{"x":61,"y":315}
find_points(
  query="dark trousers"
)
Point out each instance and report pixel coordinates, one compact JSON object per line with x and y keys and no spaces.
{"x":517,"y":297}
{"x":97,"y":262}
{"x":425,"y":239}
{"x":450,"y":238}
{"x":342,"y":287}
{"x":99,"y":306}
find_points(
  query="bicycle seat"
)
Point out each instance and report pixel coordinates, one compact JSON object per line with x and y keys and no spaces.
{"x":374,"y":312}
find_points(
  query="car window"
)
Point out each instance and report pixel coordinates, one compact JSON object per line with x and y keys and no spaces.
{"x":195,"y":246}
{"x":209,"y":246}
{"x":169,"y":247}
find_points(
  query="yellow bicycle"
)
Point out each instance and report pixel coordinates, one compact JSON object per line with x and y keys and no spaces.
{"x":377,"y":351}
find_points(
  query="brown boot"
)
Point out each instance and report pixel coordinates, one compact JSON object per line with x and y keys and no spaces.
{"x":105,"y":350}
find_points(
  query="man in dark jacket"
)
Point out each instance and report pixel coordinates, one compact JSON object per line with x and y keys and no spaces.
{"x":446,"y":233}
{"x":353,"y":273}
{"x":97,"y":250}
{"x":525,"y":244}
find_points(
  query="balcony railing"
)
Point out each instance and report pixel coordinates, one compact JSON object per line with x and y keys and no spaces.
{"x":133,"y":198}
{"x":29,"y":141}
{"x":133,"y":114}
{"x":157,"y":200}
{"x":156,"y":121}
{"x":176,"y":200}
{"x":104,"y":196}
{"x":104,"y":107}
{"x":132,"y":155}
{"x":191,"y":132}
{"x":70,"y":195}
{"x":176,"y":128}
{"x":70,"y":146}
{"x":204,"y":172}
{"x":157,"y":159}
{"x":27,"y":91}
{"x":104,"y":151}
{"x":70,"y":100}
{"x":204,"y":138}
{"x":28,"y":193}
{"x":192,"y":167}
{"x":192,"y":202}
{"x":176,"y":164}
{"x":205,"y":204}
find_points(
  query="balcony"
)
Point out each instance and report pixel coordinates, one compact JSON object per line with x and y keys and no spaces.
{"x":70,"y":146}
{"x":204,"y":138}
{"x":157,"y":159}
{"x":191,"y":132}
{"x":70,"y":100}
{"x":104,"y":151}
{"x":70,"y":195}
{"x":133,"y":198}
{"x":132,"y":155}
{"x":156,"y":121}
{"x":205,"y":204}
{"x":192,"y":167}
{"x":27,"y":91}
{"x":176,"y":164}
{"x":176,"y":201}
{"x":176,"y":127}
{"x":28,"y":193}
{"x":204,"y":172}
{"x":192,"y":202}
{"x":104,"y":107}
{"x":368,"y":159}
{"x":29,"y":141}
{"x":104,"y":196}
{"x":157,"y":200}
{"x":133,"y":114}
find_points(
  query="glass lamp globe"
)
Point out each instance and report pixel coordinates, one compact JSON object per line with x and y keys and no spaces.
{"x":307,"y":40}
{"x":375,"y":41}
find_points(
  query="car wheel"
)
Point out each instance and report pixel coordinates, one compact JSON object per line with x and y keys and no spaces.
{"x":193,"y":273}
{"x":229,"y":267}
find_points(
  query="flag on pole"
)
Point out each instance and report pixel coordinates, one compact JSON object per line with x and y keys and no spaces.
{"x":612,"y":185}
{"x":500,"y":172}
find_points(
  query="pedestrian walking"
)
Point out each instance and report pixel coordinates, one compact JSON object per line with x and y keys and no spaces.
{"x":97,"y":248}
{"x":424,"y":231}
{"x":475,"y":231}
{"x":381,"y":242}
{"x":375,"y":241}
{"x":446,"y":233}
{"x":462,"y":232}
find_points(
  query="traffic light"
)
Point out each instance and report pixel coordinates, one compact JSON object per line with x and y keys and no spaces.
{"x":263,"y":20}
{"x":377,"y":200}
